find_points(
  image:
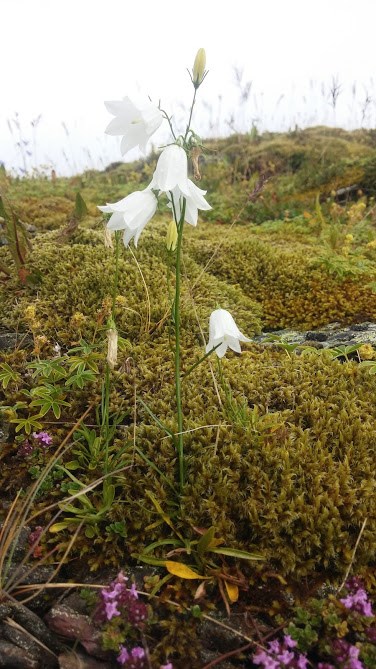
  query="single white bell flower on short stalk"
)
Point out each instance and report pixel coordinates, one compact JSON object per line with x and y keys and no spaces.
{"x":194,"y":201}
{"x":131,"y":214}
{"x":136,"y":124}
{"x":224,"y":333}
{"x":171,"y":171}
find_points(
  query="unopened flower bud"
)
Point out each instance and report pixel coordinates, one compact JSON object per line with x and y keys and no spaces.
{"x":112,"y":348}
{"x":198,"y":72}
{"x":172,"y":236}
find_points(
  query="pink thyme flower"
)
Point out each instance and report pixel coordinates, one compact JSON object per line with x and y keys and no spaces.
{"x":133,"y":659}
{"x":289,"y":642}
{"x":117,"y":599}
{"x":25,"y":449}
{"x":281,"y":654}
{"x":111,"y":610}
{"x":43,"y":437}
{"x":358,"y":601}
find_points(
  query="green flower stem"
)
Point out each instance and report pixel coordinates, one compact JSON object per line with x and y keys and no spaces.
{"x":176,"y":314}
{"x":106,"y":414}
{"x":168,"y":119}
{"x":116,"y":274}
{"x":105,"y":408}
{"x":190,"y":115}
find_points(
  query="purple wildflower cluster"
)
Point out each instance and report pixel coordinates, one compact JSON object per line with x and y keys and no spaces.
{"x":119,"y":600}
{"x":346,"y":655}
{"x":357,"y":598}
{"x":136,"y":659}
{"x":25,"y":449}
{"x":41,"y":440}
{"x":133,"y":659}
{"x":281,"y":654}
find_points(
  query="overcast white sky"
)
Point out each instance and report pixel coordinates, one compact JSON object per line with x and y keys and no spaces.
{"x":63,"y":58}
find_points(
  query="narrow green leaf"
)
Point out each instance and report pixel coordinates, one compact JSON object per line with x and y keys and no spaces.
{"x":206,"y":540}
{"x":80,"y":208}
{"x":149,"y":560}
{"x":163,"y":542}
{"x":236,"y":553}
{"x":153,"y":466}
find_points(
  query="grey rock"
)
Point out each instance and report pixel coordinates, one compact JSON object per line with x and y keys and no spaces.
{"x":10,"y":340}
{"x":26,"y":641}
{"x":329,"y":336}
{"x":30,"y":622}
{"x":19,"y":546}
{"x":316,"y":336}
{"x":13,"y":657}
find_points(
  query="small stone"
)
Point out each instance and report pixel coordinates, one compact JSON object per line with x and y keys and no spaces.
{"x":360,"y":327}
{"x":10,"y":340}
{"x":316,"y":336}
{"x":13,"y":657}
{"x":72,"y":625}
{"x":24,"y":640}
{"x":30,"y":622}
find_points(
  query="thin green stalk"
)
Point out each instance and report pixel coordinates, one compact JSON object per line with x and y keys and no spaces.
{"x":116,"y":274}
{"x":179,"y":411}
{"x":168,"y":119}
{"x":106,"y":414}
{"x":190,"y":115}
{"x":105,"y":405}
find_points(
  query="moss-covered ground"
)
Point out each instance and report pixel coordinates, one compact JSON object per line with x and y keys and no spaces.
{"x":280,"y":455}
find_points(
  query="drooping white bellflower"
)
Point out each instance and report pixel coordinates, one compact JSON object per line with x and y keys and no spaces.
{"x":136,"y":124}
{"x":131,"y":214}
{"x":171,"y":171}
{"x":194,"y":201}
{"x":224,"y":331}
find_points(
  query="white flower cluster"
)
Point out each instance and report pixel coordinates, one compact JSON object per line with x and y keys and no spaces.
{"x":133,"y":212}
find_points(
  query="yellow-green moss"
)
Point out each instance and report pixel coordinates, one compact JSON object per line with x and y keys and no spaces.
{"x":298,"y":481}
{"x":297,"y":484}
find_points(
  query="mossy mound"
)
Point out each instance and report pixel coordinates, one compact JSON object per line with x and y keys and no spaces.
{"x":284,"y":465}
{"x":37,"y":211}
{"x":73,"y":284}
{"x":293,"y":285}
{"x":295,"y":480}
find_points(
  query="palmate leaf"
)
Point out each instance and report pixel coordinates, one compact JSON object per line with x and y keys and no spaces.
{"x":28,"y":424}
{"x":7,"y":374}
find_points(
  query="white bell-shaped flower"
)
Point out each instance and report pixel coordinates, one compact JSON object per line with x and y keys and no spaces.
{"x":194,"y":201}
{"x":224,"y":331}
{"x":136,"y":124}
{"x":131,"y":214}
{"x":171,"y":171}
